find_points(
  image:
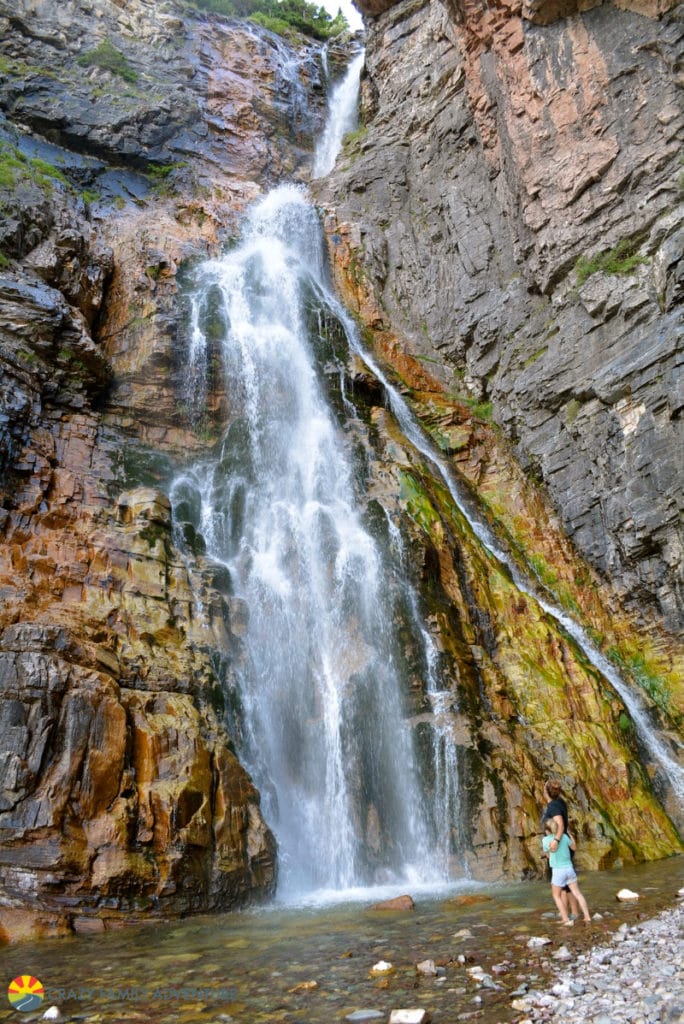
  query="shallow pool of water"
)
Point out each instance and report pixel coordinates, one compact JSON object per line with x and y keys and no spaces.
{"x":311,"y":965}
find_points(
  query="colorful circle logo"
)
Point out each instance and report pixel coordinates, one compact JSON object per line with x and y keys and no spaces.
{"x":25,"y":993}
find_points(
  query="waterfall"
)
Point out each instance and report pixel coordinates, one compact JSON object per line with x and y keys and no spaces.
{"x":342,"y":118}
{"x":319,"y":708}
{"x":320,"y":689}
{"x":446,"y":796}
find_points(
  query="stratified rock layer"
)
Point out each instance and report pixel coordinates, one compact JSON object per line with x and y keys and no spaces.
{"x":513,"y":203}
{"x":120,"y":792}
{"x":461,"y":214}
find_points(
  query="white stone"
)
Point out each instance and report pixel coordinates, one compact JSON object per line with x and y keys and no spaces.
{"x":520,"y":1004}
{"x":382,"y":967}
{"x":427,"y":967}
{"x":364,"y":1015}
{"x":538,"y":940}
{"x":627,"y":894}
{"x":52,"y":1013}
{"x":562,"y":954}
{"x":409,"y":1017}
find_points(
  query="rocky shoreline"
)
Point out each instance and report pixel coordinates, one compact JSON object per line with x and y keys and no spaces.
{"x":637,"y":978}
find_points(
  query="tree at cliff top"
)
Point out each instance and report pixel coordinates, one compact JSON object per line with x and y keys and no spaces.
{"x":281,"y":15}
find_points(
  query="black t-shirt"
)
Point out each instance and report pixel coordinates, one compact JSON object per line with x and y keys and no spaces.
{"x":557,"y":807}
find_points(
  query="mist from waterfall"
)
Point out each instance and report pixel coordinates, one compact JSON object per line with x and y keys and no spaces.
{"x":342,"y":118}
{"x":320,"y":691}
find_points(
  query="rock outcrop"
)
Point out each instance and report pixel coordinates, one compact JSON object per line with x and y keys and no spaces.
{"x":497,"y":149}
{"x":513,"y":207}
{"x":133,"y":139}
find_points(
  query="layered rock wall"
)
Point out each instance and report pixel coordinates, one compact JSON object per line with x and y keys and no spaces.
{"x":120,"y":791}
{"x":514,"y":208}
{"x":496,"y":151}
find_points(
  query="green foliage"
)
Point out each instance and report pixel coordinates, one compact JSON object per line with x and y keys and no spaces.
{"x":483,"y":410}
{"x":277,"y":25}
{"x":353,"y":138}
{"x":281,"y":16}
{"x":4,"y":261}
{"x":542,"y":570}
{"x":418,"y":503}
{"x":571,"y":410}
{"x":625,"y":722}
{"x":107,"y":57}
{"x":654,"y":686}
{"x":649,"y":681}
{"x":622,"y":259}
{"x":47,"y":170}
{"x":16,"y":167}
{"x":9,"y":165}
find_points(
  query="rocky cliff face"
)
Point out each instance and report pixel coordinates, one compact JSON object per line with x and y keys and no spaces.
{"x":513,"y":204}
{"x":133,"y":137}
{"x":507,"y":220}
{"x":131,"y":140}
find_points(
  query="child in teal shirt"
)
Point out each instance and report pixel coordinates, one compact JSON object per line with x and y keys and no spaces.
{"x":562,"y":871}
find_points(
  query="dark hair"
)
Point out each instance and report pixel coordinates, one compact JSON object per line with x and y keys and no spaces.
{"x":553,"y":788}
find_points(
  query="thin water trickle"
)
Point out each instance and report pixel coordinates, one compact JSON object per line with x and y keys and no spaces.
{"x":671,"y":772}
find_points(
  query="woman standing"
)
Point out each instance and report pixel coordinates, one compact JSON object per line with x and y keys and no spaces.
{"x":556,"y":815}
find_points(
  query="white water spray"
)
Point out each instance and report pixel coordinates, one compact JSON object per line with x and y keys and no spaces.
{"x":342,"y":118}
{"x":320,"y":691}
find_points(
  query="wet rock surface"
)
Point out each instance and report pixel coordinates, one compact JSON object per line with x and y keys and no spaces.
{"x":512,"y":206}
{"x":121,"y":795}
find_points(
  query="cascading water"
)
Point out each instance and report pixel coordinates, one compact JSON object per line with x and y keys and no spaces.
{"x":446,"y":797}
{"x":342,"y":118}
{"x":320,"y":692}
{"x":318,"y":711}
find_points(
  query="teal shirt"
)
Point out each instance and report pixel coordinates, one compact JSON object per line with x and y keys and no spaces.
{"x":561,"y":857}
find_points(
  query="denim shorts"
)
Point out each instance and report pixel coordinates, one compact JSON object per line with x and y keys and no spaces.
{"x":563,"y":876}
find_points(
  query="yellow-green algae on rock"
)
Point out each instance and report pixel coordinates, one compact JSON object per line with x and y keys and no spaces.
{"x":530,"y":704}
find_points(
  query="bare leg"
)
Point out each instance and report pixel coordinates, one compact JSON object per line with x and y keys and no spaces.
{"x":575,"y":890}
{"x":557,"y":894}
{"x":573,"y":905}
{"x":569,"y":902}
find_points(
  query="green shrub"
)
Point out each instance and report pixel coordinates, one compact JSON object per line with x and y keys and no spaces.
{"x":622,"y":259}
{"x":277,"y":25}
{"x":281,"y":16}
{"x":107,"y":57}
{"x":15,"y":167}
{"x":47,"y":170}
{"x":10,"y":165}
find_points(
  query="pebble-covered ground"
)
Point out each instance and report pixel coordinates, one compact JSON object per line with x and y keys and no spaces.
{"x":471,"y":955}
{"x":637,"y":978}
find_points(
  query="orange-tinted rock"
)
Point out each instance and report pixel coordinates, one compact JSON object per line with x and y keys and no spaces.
{"x":396,"y":903}
{"x":468,"y":899}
